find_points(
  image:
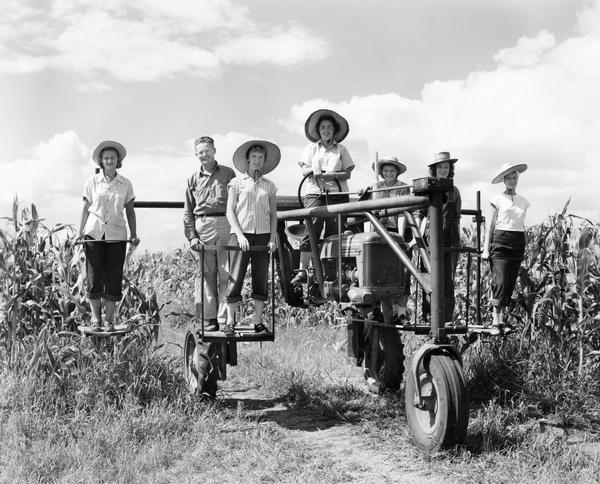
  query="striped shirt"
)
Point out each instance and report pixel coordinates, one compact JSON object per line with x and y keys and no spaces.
{"x":403,"y":189}
{"x":107,"y":201}
{"x":321,"y":160}
{"x":252,"y":203}
{"x":206,"y":193}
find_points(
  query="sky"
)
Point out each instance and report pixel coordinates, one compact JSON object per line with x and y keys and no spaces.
{"x":490,"y":81}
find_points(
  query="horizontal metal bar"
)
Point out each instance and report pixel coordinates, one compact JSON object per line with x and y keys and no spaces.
{"x":348,"y":207}
{"x":284,"y":202}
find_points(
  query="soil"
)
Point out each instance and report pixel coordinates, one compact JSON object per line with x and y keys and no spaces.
{"x":345,"y":443}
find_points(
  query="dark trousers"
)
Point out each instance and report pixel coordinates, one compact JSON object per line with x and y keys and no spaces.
{"x":259,"y":262}
{"x":104,"y":269}
{"x":330,"y":223}
{"x":506,"y":254}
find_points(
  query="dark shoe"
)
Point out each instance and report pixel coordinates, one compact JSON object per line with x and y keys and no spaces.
{"x":96,"y":326}
{"x":261,"y":328}
{"x":229,"y":330}
{"x":211,"y":325}
{"x":299,"y":278}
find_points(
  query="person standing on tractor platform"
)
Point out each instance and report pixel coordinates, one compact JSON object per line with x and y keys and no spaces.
{"x":103,"y":230}
{"x":252,"y":213}
{"x":205,"y":223}
{"x":504,"y":243}
{"x":389,"y":168}
{"x":327,"y":165}
{"x":443,"y":167}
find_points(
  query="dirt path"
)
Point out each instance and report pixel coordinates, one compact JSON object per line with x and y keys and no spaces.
{"x":343,"y":442}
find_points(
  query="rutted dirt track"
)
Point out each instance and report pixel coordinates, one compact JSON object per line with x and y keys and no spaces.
{"x":342,"y":442}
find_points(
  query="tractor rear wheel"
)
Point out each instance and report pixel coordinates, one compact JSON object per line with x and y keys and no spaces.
{"x":441,"y":417}
{"x":392,"y":370}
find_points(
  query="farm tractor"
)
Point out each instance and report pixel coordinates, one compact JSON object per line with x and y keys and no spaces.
{"x":359,"y":270}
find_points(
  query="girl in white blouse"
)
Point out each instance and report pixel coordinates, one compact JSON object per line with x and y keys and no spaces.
{"x":504,"y":243}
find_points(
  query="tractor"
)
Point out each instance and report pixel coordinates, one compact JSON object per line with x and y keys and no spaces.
{"x":359,"y":270}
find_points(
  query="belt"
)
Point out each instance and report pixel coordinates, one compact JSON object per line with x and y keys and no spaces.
{"x":215,"y":214}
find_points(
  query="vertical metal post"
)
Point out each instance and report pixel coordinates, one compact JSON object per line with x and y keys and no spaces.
{"x":202,"y":288}
{"x":468,"y":283}
{"x":273,"y":295}
{"x":339,"y":255}
{"x":437,"y":266}
{"x":478,"y":242}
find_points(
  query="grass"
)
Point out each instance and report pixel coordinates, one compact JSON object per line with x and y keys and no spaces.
{"x":166,"y":437}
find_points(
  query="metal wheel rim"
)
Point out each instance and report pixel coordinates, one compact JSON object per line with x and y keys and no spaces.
{"x":428,"y":416}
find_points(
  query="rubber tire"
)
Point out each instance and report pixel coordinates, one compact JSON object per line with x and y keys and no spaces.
{"x":444,"y":423}
{"x":391,"y":372}
{"x":199,"y":366}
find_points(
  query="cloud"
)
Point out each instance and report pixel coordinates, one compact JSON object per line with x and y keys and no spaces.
{"x":539,"y":105}
{"x":144,"y":40}
{"x":53,"y":174}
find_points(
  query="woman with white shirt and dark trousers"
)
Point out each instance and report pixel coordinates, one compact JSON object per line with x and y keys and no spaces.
{"x":504,"y":243}
{"x":105,"y":196}
{"x":327,"y":164}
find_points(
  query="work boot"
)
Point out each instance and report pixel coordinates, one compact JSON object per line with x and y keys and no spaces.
{"x":211,"y":325}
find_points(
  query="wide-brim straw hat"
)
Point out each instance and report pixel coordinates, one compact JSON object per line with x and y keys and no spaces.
{"x":389,"y":160}
{"x":507,"y":168}
{"x":311,"y":128}
{"x":442,"y":157}
{"x":272,"y":157}
{"x":118,"y":147}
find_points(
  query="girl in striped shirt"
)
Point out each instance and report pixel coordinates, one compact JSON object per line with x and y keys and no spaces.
{"x":252,"y":214}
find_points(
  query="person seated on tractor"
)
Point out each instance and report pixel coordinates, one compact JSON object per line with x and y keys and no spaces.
{"x":389,"y":168}
{"x":443,"y":167}
{"x":205,"y":223}
{"x":104,"y":232}
{"x":252,"y":213}
{"x":504,"y":244}
{"x":326,"y":164}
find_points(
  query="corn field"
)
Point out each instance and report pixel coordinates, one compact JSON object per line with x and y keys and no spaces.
{"x":43,"y":301}
{"x":555,"y":310}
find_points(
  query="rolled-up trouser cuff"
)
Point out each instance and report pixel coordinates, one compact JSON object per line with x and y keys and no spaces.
{"x":259,"y":297}
{"x":234,"y":299}
{"x":94,"y":295}
{"x":110,"y":297}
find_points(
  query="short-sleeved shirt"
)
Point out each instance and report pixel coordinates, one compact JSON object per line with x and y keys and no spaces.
{"x":252,"y":203}
{"x":205,"y":194}
{"x":511,"y":212}
{"x":107,"y":201}
{"x":403,"y":189}
{"x":321,"y":159}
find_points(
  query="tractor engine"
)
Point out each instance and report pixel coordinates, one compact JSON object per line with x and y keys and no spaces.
{"x":370,"y":270}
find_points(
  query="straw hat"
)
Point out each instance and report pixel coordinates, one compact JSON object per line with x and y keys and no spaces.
{"x":118,"y":147}
{"x":390,"y":160}
{"x":441,"y":157}
{"x":507,"y":168}
{"x":311,"y":128}
{"x":240,"y":157}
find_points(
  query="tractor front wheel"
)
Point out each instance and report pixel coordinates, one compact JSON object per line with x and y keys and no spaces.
{"x":440,"y":418}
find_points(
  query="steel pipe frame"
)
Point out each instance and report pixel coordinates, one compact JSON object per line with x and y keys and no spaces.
{"x":404,"y":201}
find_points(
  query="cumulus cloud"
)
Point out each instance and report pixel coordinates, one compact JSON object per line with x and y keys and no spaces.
{"x":53,"y":174}
{"x":539,"y":105}
{"x":144,"y":40}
